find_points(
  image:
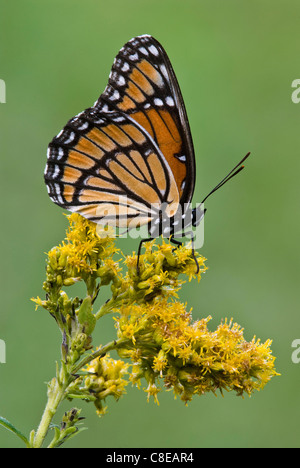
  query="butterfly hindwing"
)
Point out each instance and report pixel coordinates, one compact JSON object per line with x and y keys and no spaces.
{"x":102,"y":159}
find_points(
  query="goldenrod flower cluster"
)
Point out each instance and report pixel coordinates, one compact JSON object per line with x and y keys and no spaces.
{"x":168,"y":345}
{"x":159,"y":343}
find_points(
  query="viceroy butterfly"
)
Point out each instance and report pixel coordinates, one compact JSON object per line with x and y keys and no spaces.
{"x":132,"y":150}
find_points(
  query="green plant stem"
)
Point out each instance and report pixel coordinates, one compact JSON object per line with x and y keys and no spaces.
{"x":109,"y":306}
{"x":56,"y":394}
{"x":58,"y":387}
{"x":103,"y":350}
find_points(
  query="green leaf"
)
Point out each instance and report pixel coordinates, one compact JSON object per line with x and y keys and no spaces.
{"x":86,"y":317}
{"x":13,"y":429}
{"x":69,"y":433}
{"x":74,"y":433}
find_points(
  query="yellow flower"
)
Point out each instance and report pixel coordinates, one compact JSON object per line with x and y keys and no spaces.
{"x":160,"y":362}
{"x":39,"y":302}
{"x":83,"y":245}
{"x":184,"y":257}
{"x":152,"y":390}
{"x":105,"y":378}
{"x":129,"y":330}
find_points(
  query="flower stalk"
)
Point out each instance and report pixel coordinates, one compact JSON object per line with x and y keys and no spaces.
{"x":56,"y":391}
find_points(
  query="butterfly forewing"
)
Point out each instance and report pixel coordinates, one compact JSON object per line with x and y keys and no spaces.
{"x":143,"y":84}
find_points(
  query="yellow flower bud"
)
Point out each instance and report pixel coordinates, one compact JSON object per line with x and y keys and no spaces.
{"x":59,"y":280}
{"x":62,"y":261}
{"x":71,"y":281}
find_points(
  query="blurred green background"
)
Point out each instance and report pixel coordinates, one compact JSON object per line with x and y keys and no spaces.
{"x":235,"y":61}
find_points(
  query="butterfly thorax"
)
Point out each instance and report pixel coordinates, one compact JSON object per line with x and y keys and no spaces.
{"x":185,"y":218}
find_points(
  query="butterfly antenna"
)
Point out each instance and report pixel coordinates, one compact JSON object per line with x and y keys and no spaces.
{"x":238,"y":168}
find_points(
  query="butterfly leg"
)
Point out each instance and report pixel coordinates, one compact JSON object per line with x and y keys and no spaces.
{"x":139,"y":253}
{"x":174,"y":241}
{"x":194,"y":256}
{"x":179,"y":244}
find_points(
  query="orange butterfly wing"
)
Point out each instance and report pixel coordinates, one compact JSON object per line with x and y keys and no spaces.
{"x":143,"y":84}
{"x":100,"y":160}
{"x":132,"y":149}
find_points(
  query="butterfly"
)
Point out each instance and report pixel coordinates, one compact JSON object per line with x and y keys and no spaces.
{"x":129,"y":159}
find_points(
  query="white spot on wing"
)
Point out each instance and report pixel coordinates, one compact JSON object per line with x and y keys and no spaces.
{"x":158,"y":102}
{"x":121,"y":80}
{"x":59,"y":198}
{"x":164,"y":71}
{"x":60,"y":153}
{"x":56,"y":171}
{"x":153,"y":50}
{"x":143,"y":50}
{"x":70,"y":139}
{"x":182,"y":158}
{"x":116,"y":95}
{"x":84,"y":126}
{"x":99,"y":121}
{"x":119,"y":119}
{"x":170,"y":101}
{"x":134,"y":57}
{"x":125,"y":67}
